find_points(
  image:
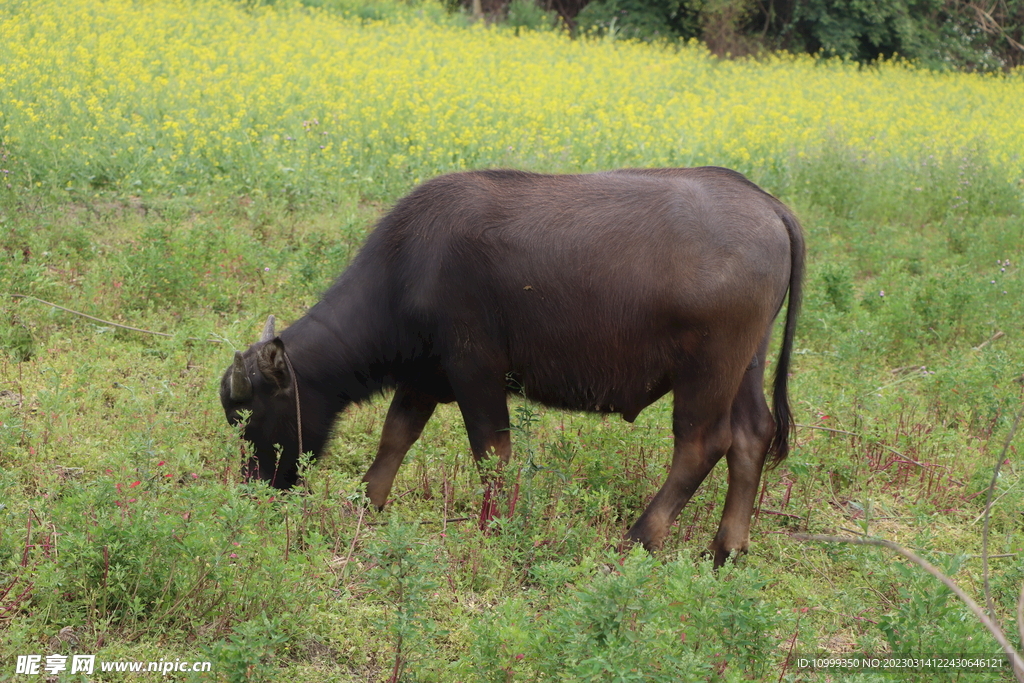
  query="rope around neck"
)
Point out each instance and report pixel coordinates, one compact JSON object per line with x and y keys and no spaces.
{"x":298,"y":404}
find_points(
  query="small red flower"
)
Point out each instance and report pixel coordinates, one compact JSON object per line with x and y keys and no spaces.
{"x":134,"y":484}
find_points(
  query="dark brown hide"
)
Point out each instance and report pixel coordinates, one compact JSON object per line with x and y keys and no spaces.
{"x":596,"y":292}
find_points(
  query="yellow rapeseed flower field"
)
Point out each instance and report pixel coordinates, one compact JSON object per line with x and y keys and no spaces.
{"x":174,"y":96}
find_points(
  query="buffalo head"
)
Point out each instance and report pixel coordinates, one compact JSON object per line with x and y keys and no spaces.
{"x":259,"y":381}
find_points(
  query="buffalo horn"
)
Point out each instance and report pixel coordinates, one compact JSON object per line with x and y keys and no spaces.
{"x":241,"y":387}
{"x":268,"y":330}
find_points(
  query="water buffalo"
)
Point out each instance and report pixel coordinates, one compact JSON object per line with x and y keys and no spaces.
{"x":598,"y":292}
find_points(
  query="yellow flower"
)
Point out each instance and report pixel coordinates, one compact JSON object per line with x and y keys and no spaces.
{"x":181,"y":94}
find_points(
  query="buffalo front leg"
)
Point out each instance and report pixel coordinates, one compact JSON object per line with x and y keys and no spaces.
{"x":404,"y":423}
{"x":485,"y":413}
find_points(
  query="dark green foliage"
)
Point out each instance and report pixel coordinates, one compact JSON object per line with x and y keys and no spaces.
{"x":644,"y":19}
{"x":864,"y":30}
{"x":527,"y":14}
{"x":939,"y":34}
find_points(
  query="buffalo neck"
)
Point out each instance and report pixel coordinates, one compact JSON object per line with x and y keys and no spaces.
{"x":341,"y":349}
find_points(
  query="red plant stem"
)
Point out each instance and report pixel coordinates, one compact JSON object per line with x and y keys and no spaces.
{"x":287,"y":538}
{"x":792,"y":643}
{"x":514,"y":499}
{"x":106,"y":565}
{"x":7,"y":589}
{"x":781,"y":514}
{"x":1020,"y":614}
{"x":28,"y":543}
{"x":489,"y":509}
{"x":760,"y":502}
{"x":13,"y":604}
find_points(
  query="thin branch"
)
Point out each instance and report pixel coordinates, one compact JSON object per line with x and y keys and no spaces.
{"x":1015,"y":659}
{"x":765,"y":511}
{"x":108,"y":322}
{"x":1020,"y":615}
{"x":989,"y":25}
{"x":1009,"y":489}
{"x":941,"y":552}
{"x":792,"y":642}
{"x":988,"y":507}
{"x":995,"y":337}
{"x":355,"y":537}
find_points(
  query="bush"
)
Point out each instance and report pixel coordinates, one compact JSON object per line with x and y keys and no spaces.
{"x":937,"y":33}
{"x":637,"y":619}
{"x":643,"y":19}
{"x":527,"y":14}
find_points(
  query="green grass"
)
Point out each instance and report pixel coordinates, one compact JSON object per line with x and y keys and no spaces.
{"x":124,"y":520}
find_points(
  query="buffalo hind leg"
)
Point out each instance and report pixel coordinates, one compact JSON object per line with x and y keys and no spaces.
{"x":701,"y":426}
{"x":404,"y":423}
{"x":752,"y":430}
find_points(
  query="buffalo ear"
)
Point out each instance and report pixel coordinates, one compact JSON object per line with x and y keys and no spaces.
{"x":271,"y":363}
{"x":268,"y":330}
{"x":239,"y":386}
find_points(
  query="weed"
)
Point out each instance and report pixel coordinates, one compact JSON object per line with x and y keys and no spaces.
{"x":244,"y":655}
{"x":403,"y":574}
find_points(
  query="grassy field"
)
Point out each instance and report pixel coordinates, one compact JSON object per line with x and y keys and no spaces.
{"x":190,"y":168}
